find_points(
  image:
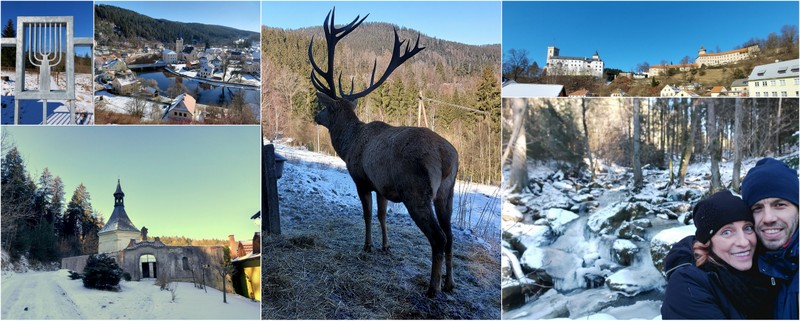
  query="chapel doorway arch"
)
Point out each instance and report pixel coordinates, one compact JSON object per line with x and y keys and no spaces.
{"x":148,"y":266}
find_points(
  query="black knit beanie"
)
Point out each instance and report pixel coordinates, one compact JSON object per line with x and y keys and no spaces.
{"x":714,"y":212}
{"x":770,"y":178}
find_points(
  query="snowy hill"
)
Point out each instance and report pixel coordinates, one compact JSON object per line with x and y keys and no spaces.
{"x":52,"y":295}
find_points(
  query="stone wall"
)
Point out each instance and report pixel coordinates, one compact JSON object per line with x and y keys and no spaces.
{"x":74,"y":263}
{"x":178,"y":263}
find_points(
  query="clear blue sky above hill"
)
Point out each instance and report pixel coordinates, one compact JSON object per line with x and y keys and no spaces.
{"x":243,"y":15}
{"x":628,"y":33}
{"x":193,"y":181}
{"x":469,"y":22}
{"x":82,"y":12}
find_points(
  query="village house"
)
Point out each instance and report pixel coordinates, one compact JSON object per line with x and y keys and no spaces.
{"x":580,"y":93}
{"x":183,"y":109}
{"x":725,"y":58}
{"x":618,"y":93}
{"x":246,"y":259}
{"x":206,"y":70}
{"x":169,"y":56}
{"x":778,"y":79}
{"x":115,"y":64}
{"x":188,"y":53}
{"x":123,"y":85}
{"x":738,"y":88}
{"x":718,"y":91}
{"x":685,"y":93}
{"x":573,"y":66}
{"x":669,"y":91}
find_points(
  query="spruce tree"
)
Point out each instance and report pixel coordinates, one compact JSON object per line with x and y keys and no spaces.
{"x":9,"y":54}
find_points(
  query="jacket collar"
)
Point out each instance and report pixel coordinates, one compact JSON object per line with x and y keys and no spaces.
{"x":781,"y":263}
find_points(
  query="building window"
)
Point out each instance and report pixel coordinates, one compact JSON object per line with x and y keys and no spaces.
{"x":764,"y":83}
{"x":797,"y":81}
{"x":783,"y":82}
{"x":185,"y":263}
{"x":774,"y":94}
{"x":783,"y":94}
{"x":756,"y":84}
{"x":772,"y":83}
{"x":758,"y":94}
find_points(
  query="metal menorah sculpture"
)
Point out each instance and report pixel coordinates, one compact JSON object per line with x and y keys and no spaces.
{"x":44,"y":42}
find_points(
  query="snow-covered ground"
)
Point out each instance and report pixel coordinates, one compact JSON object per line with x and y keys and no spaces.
{"x":476,"y":207}
{"x":246,"y":79}
{"x":119,"y":104}
{"x":52,"y":295}
{"x":57,"y":110}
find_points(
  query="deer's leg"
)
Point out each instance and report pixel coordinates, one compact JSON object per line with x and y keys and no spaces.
{"x":422,"y":213}
{"x":366,"y":207}
{"x":382,"y":202}
{"x":444,"y":211}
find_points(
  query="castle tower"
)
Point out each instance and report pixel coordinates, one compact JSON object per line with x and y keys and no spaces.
{"x":596,"y":56}
{"x":552,"y":51}
{"x":179,"y":44}
{"x":119,"y":230}
{"x":702,"y":51}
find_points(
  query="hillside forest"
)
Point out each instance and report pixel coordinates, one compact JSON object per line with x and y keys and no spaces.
{"x":122,"y":27}
{"x":452,"y":88}
{"x":666,"y":133}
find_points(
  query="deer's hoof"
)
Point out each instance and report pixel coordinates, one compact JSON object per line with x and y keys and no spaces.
{"x":449,"y":286}
{"x":431,"y":293}
{"x":385,"y":249}
{"x":367,"y":247}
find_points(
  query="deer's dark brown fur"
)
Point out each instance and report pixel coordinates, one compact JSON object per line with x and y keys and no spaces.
{"x":409,"y":165}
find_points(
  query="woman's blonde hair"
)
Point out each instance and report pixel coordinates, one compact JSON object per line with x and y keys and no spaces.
{"x":702,"y":253}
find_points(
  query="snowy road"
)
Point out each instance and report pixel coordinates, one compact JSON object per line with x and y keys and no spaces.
{"x":35,"y":296}
{"x":52,"y":295}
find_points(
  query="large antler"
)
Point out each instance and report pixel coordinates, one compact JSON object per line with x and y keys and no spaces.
{"x":332,"y":36}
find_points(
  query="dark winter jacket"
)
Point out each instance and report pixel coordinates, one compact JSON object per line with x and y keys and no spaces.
{"x":781,"y":267}
{"x":711,"y":291}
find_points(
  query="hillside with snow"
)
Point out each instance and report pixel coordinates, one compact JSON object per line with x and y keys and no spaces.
{"x":52,"y":295}
{"x":317,"y":268}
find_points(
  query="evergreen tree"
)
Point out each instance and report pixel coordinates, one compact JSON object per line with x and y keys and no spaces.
{"x":43,"y":199}
{"x":17,"y":202}
{"x":57,"y":204}
{"x":9,"y":54}
{"x":78,"y":220}
{"x":488,"y":97}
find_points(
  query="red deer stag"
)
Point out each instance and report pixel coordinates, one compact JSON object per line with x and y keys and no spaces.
{"x":411,"y":165}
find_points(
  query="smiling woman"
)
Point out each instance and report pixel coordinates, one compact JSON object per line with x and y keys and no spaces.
{"x":722,"y":283}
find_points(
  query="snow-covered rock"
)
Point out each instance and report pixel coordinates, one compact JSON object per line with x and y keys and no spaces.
{"x":554,"y":266}
{"x":624,"y":251}
{"x":634,"y":230}
{"x":663,"y":241}
{"x":590,"y":301}
{"x":512,"y":213}
{"x":564,"y":186}
{"x":558,"y":219}
{"x":632,"y":281}
{"x":580,"y":198}
{"x":524,"y":236}
{"x":550,"y":305}
{"x":609,"y":218}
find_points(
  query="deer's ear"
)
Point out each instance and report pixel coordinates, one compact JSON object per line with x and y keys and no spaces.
{"x":324,"y":99}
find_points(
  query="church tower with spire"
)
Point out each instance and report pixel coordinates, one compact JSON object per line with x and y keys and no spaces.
{"x":119,"y":230}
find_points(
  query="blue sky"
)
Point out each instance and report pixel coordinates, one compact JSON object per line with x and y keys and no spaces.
{"x":82,"y":12}
{"x":475,"y":23}
{"x":193,"y":181}
{"x":243,"y":15}
{"x":629,"y":33}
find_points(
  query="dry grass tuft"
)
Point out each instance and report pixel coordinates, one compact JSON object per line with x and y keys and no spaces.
{"x":317,"y":270}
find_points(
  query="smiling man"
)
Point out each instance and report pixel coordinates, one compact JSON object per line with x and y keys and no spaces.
{"x":771,"y":190}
